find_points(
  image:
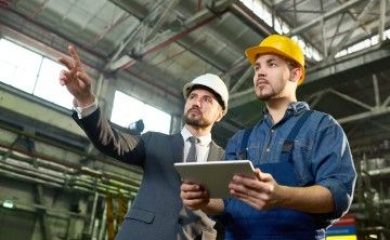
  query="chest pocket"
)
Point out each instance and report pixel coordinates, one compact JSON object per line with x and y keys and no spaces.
{"x":291,"y":148}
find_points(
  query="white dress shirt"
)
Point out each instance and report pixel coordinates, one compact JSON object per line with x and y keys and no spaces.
{"x":202,"y":147}
{"x":83,"y":112}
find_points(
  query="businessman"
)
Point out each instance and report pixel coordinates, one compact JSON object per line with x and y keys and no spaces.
{"x":157,"y":212}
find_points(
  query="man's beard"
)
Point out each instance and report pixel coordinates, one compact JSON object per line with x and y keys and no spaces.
{"x":268,"y":96}
{"x":196,"y":122}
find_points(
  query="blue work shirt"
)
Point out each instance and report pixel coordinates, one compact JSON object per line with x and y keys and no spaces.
{"x":321,"y":156}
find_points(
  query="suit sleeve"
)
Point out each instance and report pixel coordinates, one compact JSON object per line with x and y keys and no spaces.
{"x":124,"y":147}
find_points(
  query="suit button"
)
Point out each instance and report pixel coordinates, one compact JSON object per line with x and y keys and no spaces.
{"x":180,"y":221}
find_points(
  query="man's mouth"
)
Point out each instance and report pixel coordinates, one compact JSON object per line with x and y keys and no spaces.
{"x":194,"y":110}
{"x":261,"y":83}
{"x":261,"y":80}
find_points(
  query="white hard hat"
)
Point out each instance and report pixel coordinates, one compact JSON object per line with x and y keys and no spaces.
{"x":213,"y":82}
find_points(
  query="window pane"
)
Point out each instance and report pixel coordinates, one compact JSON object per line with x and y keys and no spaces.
{"x":156,"y":120}
{"x":48,"y":86}
{"x":127,"y":110}
{"x":18,"y":66}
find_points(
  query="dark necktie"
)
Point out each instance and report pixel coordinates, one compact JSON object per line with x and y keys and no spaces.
{"x":191,"y":157}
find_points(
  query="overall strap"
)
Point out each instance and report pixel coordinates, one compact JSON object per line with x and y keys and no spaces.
{"x":243,"y":153}
{"x":288,"y":144}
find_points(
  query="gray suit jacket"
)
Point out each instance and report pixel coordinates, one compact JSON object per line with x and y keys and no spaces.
{"x":157,"y":212}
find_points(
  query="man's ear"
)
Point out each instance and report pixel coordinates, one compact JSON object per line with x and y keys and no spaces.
{"x":296,"y":74}
{"x":220,"y":115}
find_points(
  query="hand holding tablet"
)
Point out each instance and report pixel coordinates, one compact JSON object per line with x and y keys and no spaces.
{"x":215,"y":176}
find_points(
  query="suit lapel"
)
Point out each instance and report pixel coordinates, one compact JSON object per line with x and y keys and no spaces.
{"x":214,"y":153}
{"x":177,"y":146}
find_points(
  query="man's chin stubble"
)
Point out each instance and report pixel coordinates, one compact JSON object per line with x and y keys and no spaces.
{"x":195,"y":122}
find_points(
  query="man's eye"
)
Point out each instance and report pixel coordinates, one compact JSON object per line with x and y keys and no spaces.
{"x":208,"y":99}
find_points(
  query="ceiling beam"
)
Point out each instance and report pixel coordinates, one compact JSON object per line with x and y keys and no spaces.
{"x":244,"y":77}
{"x":346,"y":39}
{"x":347,"y":68}
{"x":369,"y":114}
{"x":241,"y":98}
{"x":251,"y":19}
{"x":327,"y":15}
{"x":200,"y":19}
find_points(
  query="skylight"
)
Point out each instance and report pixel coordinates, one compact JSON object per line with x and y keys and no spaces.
{"x":281,"y":27}
{"x":369,"y":42}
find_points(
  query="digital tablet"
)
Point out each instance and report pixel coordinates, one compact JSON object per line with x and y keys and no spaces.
{"x":215,"y":176}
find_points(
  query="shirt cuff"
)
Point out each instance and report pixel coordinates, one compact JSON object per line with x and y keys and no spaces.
{"x":83,"y":112}
{"x":342,"y":198}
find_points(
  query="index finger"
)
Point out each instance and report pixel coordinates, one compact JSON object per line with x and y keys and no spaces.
{"x":67,"y":62}
{"x":75,"y":56}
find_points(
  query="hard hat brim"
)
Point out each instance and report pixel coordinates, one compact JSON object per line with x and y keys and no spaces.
{"x":253,"y":52}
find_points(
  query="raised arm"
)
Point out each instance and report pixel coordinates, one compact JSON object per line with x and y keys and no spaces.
{"x":121,"y":146}
{"x":76,"y":80}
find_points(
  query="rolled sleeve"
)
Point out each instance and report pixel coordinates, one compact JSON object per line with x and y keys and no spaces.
{"x":333,"y":166}
{"x":341,"y":196}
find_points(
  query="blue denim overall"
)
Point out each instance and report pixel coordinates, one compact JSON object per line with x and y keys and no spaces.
{"x":250,"y":224}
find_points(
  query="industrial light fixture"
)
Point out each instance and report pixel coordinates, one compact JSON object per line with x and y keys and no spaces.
{"x":8,"y":204}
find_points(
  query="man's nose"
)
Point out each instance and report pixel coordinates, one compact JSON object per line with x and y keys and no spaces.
{"x":195,"y":102}
{"x":260,"y":72}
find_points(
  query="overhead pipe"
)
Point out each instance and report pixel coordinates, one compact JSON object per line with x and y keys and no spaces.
{"x":66,"y":171}
{"x":73,"y":181}
{"x":203,"y":14}
{"x":104,"y":176}
{"x":48,"y":210}
{"x":172,"y":39}
{"x":40,"y":178}
{"x":67,"y":177}
{"x":28,"y":179}
{"x":36,"y":175}
{"x":61,"y":165}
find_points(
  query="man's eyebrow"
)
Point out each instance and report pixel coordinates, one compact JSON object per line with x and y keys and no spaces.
{"x":271,"y":59}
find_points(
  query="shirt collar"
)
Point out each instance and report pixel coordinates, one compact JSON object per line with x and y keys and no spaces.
{"x":203,"y":140}
{"x":293,"y":107}
{"x":298,"y":107}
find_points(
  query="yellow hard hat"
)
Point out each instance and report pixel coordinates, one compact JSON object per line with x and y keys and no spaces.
{"x":281,"y":45}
